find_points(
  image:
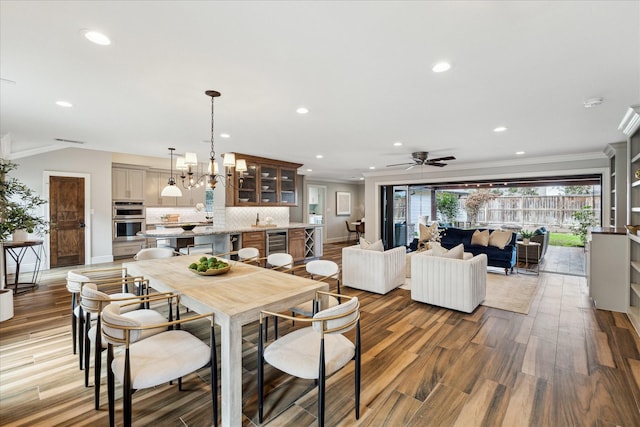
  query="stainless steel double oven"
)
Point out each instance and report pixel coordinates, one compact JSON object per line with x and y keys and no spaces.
{"x":128,"y":220}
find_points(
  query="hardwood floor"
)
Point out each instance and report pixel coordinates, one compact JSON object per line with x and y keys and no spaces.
{"x":563,"y":364}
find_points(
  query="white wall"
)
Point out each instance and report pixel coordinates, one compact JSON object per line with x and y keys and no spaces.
{"x":97,"y":164}
{"x":336,"y":230}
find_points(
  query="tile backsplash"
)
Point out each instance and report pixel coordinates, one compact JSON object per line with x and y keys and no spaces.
{"x":245,"y":216}
{"x":234,"y":217}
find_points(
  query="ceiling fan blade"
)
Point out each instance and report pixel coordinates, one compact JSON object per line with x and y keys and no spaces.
{"x":436,"y":164}
{"x":412,"y":166}
{"x":439,"y":159}
{"x":401,"y":164}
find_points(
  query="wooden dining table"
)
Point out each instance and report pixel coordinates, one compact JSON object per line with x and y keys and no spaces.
{"x":236,"y":298}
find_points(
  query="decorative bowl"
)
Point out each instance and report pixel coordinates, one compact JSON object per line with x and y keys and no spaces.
{"x":212,"y":271}
{"x":265,"y":200}
{"x":284,"y":178}
{"x":265,"y":187}
{"x":188,"y":227}
{"x":244,"y":200}
{"x":265,"y":174}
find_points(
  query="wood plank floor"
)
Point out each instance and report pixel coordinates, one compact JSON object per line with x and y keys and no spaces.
{"x":563,"y":364}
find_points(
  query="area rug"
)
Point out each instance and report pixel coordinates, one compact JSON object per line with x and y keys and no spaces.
{"x":514,"y":292}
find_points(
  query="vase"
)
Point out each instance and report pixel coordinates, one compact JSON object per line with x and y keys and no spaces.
{"x":20,"y":235}
{"x":525,"y":241}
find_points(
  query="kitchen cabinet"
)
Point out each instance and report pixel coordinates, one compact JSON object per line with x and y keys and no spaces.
{"x":127,"y":183}
{"x":158,"y":179}
{"x":297,"y":244}
{"x":314,"y":196}
{"x":266,"y":182}
{"x":255,"y":239}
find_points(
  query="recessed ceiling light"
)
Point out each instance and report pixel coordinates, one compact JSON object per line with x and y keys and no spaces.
{"x":97,"y":38}
{"x":397,"y":144}
{"x":519,"y":153}
{"x":225,"y":135}
{"x":309,"y":170}
{"x":500,"y":129}
{"x":372,"y":167}
{"x":64,"y":104}
{"x":361,"y":178}
{"x":441,"y":67}
{"x":302,"y":110}
{"x":319,"y":156}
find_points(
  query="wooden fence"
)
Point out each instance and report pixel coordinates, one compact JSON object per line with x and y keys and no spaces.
{"x":533,"y":211}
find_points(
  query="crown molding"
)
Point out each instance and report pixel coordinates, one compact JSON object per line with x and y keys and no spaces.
{"x":631,"y":120}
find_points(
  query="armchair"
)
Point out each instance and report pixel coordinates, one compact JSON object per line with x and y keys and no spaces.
{"x":458,"y":284}
{"x":372,"y":270}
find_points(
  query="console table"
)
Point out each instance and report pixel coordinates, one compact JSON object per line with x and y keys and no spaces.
{"x":17,"y":251}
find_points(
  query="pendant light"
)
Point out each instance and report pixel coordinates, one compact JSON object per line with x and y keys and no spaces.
{"x":171,"y":190}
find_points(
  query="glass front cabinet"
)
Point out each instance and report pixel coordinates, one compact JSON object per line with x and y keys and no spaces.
{"x":266,"y":182}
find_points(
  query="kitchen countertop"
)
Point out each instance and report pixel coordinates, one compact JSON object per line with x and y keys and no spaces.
{"x":177,"y":232}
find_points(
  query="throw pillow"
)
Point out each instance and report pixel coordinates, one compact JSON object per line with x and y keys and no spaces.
{"x":375,"y":246}
{"x":454,"y":253}
{"x":500,"y":238}
{"x":426,"y":233}
{"x":480,"y":238}
{"x":437,"y":249}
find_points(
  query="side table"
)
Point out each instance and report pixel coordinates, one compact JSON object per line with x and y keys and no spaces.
{"x":17,"y":250}
{"x":524,"y":262}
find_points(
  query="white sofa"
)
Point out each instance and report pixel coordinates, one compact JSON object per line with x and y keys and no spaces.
{"x":458,"y":284}
{"x":372,"y":270}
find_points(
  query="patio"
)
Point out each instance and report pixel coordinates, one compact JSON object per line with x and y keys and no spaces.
{"x":564,"y":260}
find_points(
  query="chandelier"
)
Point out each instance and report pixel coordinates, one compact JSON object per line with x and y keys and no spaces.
{"x":190,"y":161}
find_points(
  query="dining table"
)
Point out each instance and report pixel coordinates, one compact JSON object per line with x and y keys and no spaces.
{"x":236,"y":298}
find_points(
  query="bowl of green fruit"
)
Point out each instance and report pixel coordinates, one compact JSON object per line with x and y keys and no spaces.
{"x":211,"y":266}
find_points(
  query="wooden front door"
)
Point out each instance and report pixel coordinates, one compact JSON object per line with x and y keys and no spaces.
{"x":66,"y":204}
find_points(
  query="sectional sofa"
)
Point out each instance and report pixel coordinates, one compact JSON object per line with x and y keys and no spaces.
{"x":496,"y":256}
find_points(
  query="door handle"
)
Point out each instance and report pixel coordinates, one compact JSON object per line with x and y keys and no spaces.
{"x":81,"y":224}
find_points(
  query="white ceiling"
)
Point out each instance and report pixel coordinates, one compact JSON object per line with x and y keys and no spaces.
{"x":362,"y":68}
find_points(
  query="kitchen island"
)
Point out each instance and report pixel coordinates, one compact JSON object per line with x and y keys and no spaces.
{"x":301,"y":240}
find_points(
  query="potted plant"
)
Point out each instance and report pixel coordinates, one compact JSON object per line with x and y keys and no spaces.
{"x":526,"y":236}
{"x":585,"y":219}
{"x":18,"y":205}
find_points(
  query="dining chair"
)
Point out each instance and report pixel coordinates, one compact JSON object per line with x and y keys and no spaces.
{"x":350,"y":230}
{"x":245,"y":255}
{"x":314,"y":352}
{"x":321,"y":270}
{"x":155,"y":253}
{"x":93,"y":301}
{"x":75,"y":278}
{"x":281,"y":262}
{"x":158,"y":359}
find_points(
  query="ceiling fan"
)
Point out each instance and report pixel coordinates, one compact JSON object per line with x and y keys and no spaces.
{"x":421,"y":158}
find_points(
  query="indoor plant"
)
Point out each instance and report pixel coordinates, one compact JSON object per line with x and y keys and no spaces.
{"x":18,"y":205}
{"x":526,"y":235}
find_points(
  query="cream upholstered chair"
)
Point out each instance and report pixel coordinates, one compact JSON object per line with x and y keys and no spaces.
{"x":155,"y":253}
{"x":280,"y":261}
{"x":458,"y":284}
{"x":246,"y":255}
{"x":75,"y":279}
{"x":315,"y":352}
{"x":372,"y":270}
{"x":93,"y":301}
{"x":319,"y":270}
{"x":157,"y":359}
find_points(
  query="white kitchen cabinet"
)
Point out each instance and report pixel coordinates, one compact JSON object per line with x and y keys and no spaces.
{"x":158,"y":179}
{"x":127,"y":184}
{"x":314,"y":196}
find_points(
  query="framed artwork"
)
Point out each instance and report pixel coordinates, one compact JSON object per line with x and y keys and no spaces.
{"x":343,"y":203}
